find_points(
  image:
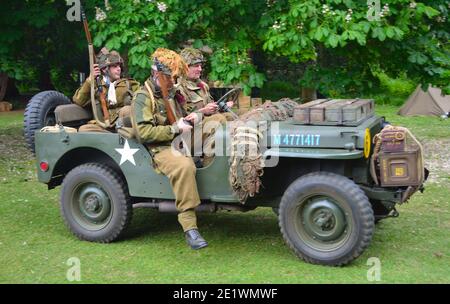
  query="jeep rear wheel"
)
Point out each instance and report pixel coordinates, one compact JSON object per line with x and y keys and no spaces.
{"x":95,"y":203}
{"x":40,"y":112}
{"x":326,"y":219}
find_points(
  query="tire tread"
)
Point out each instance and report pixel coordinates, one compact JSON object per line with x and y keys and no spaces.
{"x":367,"y":217}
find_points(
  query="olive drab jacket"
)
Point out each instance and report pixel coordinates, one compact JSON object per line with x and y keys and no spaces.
{"x":196,"y":94}
{"x":149,"y":116}
{"x":125,"y":89}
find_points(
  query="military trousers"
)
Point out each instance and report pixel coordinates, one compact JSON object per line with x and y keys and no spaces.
{"x":180,"y":170}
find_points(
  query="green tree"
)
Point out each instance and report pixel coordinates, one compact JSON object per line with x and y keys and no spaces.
{"x":343,"y":51}
{"x":38,"y":45}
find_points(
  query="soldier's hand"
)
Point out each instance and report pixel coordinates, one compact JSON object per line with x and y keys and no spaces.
{"x":193,"y":118}
{"x":230,"y":104}
{"x":96,"y":71}
{"x":183,"y":126}
{"x":210,"y":108}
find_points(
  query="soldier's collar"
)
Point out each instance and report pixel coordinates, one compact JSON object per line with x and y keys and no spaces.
{"x":192,"y":84}
{"x":106,"y":80}
{"x":155,"y":88}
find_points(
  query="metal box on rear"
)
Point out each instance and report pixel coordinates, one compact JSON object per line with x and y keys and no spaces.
{"x":399,"y":169}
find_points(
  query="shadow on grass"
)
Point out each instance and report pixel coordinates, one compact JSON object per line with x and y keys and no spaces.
{"x":256,"y":224}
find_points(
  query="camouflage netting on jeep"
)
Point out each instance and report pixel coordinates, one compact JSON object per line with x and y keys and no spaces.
{"x":246,"y":133}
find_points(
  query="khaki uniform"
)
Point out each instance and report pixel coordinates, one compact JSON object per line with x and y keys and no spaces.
{"x":196,"y":94}
{"x":149,"y":119}
{"x":125,"y":89}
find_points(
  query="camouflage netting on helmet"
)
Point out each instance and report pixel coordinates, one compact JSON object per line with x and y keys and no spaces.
{"x":114,"y":58}
{"x":192,"y":56}
{"x":246,"y":135}
{"x":106,"y":58}
{"x":171,"y":60}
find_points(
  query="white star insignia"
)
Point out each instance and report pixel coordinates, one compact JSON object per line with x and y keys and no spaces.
{"x":127,"y":153}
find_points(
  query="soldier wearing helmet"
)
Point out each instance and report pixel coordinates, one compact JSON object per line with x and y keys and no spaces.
{"x":194,"y":89}
{"x":152,"y":126}
{"x":199,"y":100}
{"x":119,"y":90}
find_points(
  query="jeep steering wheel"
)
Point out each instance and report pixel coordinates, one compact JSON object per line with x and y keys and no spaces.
{"x":233,"y":93}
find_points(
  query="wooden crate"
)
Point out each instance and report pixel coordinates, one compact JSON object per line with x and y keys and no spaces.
{"x":256,"y":102}
{"x":244,"y":102}
{"x":334,"y":111}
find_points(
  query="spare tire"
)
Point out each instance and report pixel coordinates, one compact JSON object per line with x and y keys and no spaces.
{"x":40,"y":112}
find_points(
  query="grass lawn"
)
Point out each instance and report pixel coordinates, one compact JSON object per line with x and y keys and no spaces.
{"x":35,"y":245}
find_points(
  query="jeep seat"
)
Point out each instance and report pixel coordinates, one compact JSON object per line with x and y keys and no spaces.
{"x":72,"y":115}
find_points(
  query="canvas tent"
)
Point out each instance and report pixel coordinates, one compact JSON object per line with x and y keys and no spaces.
{"x":431,"y":102}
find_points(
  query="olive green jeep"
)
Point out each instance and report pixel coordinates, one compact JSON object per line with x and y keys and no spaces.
{"x":322,"y":178}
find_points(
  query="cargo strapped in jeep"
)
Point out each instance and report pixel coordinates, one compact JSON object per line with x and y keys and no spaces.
{"x":342,"y":112}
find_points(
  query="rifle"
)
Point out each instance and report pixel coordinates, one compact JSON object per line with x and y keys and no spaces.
{"x":163,"y":83}
{"x":101,"y":92}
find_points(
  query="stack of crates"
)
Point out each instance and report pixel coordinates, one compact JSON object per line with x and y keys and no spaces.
{"x":339,"y":112}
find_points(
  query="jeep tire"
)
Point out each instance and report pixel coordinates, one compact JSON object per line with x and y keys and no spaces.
{"x":40,"y":112}
{"x":326,"y":219}
{"x":95,"y":203}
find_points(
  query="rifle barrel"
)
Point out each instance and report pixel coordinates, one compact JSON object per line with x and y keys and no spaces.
{"x":86,"y":25}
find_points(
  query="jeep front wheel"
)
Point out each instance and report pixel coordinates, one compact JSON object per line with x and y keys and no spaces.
{"x":326,"y":219}
{"x":95,"y":203}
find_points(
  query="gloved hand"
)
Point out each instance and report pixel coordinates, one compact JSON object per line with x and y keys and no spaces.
{"x":183,"y":126}
{"x":209,"y":109}
{"x":193,"y":118}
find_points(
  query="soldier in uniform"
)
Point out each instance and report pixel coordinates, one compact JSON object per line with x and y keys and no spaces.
{"x":199,"y":100}
{"x":151,"y":109}
{"x":194,"y":89}
{"x":119,"y":91}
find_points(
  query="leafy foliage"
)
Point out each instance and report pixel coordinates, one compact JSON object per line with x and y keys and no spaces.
{"x":344,"y":46}
{"x":341,"y":49}
{"x":38,"y":41}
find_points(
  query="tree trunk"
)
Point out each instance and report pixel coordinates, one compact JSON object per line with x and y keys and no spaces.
{"x":3,"y":85}
{"x":308,"y":94}
{"x":11,"y":89}
{"x":45,"y":81}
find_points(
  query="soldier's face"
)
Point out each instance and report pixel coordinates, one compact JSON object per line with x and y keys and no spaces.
{"x":114,"y":71}
{"x":168,"y":80}
{"x":195,"y":71}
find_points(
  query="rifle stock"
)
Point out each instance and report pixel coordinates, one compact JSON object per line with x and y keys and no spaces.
{"x":163,"y":83}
